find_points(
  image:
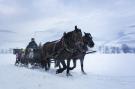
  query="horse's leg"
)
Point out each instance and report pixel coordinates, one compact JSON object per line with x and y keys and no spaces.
{"x":42,"y":63}
{"x":68,"y":65}
{"x":46,"y":66}
{"x":74,"y":64}
{"x":57,"y":64}
{"x":49,"y":63}
{"x":81,"y":62}
{"x":61,"y":69}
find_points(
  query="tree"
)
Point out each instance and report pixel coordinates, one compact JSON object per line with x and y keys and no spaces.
{"x":106,"y":49}
{"x":125,"y":48}
{"x":118,"y":49}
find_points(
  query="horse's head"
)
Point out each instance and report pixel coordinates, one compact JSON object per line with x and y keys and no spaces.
{"x":88,"y":40}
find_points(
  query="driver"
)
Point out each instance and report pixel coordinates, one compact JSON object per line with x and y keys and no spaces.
{"x":32,"y":44}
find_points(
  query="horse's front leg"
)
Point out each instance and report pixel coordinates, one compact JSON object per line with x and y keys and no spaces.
{"x":57,"y":64}
{"x":81,"y":62}
{"x":60,"y":70}
{"x":68,"y":67}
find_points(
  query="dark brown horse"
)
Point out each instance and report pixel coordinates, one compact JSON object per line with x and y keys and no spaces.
{"x":62,"y":50}
{"x":50,"y":51}
{"x":88,"y":42}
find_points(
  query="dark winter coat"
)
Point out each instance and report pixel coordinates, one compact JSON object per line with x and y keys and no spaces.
{"x":32,"y":44}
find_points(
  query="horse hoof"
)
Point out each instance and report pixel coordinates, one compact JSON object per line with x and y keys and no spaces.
{"x":57,"y":72}
{"x":84,"y":73}
{"x":46,"y":70}
{"x":15,"y":64}
{"x":70,"y":68}
{"x":68,"y":74}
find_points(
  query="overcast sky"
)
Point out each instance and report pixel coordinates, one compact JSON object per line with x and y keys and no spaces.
{"x":104,"y":19}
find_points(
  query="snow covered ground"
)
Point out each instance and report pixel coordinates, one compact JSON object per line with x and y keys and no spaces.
{"x":104,"y":71}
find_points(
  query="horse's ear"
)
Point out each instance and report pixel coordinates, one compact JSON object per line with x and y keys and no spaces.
{"x":84,"y":33}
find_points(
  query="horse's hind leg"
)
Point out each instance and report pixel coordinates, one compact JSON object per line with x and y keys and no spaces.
{"x":46,"y":66}
{"x":60,"y":66}
{"x":57,"y":64}
{"x":61,"y":69}
{"x":42,"y":64}
{"x":49,"y":64}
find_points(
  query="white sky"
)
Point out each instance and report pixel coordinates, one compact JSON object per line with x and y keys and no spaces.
{"x":104,"y":19}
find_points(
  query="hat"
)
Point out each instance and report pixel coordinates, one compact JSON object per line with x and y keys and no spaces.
{"x":32,"y":39}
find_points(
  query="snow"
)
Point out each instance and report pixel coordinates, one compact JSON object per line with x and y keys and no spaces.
{"x":104,"y":71}
{"x":111,"y":64}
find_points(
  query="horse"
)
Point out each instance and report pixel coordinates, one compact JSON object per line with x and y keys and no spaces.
{"x":49,"y":51}
{"x":62,"y":50}
{"x":88,"y":42}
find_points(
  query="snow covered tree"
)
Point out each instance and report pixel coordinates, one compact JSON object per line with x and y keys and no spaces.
{"x":117,"y":49}
{"x":113,"y":50}
{"x":133,"y":50}
{"x":125,"y":48}
{"x":2,"y":51}
{"x":106,"y":49}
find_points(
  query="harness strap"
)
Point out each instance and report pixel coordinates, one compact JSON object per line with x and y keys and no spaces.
{"x":66,"y":48}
